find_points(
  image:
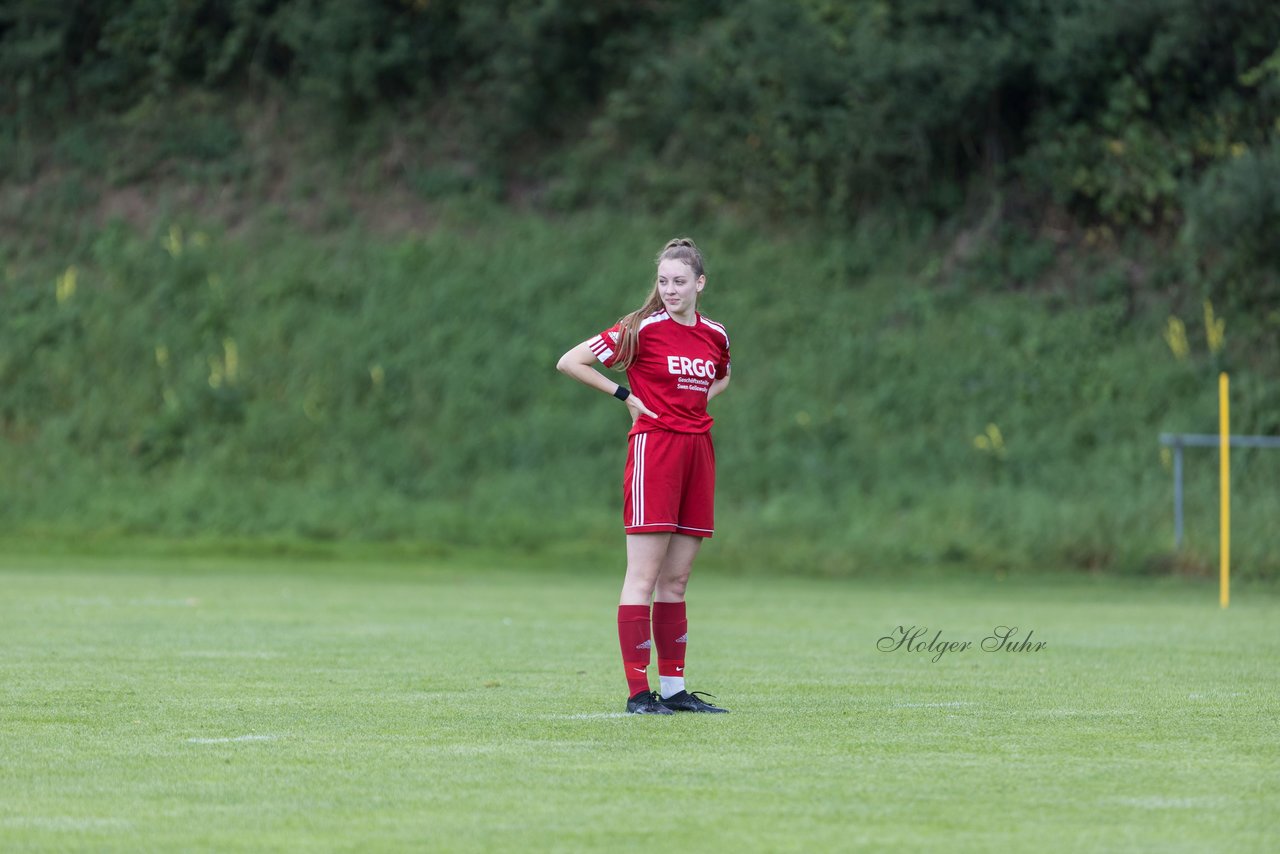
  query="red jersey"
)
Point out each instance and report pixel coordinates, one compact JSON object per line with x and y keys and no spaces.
{"x":673,"y":370}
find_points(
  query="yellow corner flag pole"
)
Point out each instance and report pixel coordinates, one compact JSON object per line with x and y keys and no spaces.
{"x":1224,"y":491}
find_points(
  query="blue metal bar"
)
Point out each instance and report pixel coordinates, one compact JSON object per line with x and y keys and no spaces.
{"x":1177,"y":497}
{"x":1178,"y":441}
{"x":1210,"y":440}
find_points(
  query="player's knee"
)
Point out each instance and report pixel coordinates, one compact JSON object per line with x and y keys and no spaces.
{"x":637,"y":591}
{"x":641,"y":575}
{"x":674,"y":586}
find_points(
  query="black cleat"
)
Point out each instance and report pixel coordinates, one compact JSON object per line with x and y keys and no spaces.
{"x":686,"y":702}
{"x":647,"y":703}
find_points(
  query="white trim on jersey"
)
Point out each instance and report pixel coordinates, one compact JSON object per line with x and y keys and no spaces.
{"x":717,"y":327}
{"x":602,"y":350}
{"x":661,"y":314}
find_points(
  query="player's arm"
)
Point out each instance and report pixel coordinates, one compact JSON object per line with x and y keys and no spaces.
{"x":719,"y":385}
{"x":580,"y":363}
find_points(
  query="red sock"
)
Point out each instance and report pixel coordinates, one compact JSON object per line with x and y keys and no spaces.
{"x":670,"y":634}
{"x":633,"y":637}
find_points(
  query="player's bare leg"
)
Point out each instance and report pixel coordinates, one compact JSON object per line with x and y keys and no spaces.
{"x":673,"y":575}
{"x":645,"y":556}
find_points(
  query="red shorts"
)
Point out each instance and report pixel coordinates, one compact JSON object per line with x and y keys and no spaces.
{"x":670,"y":484}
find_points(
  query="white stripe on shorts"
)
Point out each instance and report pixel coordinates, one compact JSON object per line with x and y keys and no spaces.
{"x":637,"y":482}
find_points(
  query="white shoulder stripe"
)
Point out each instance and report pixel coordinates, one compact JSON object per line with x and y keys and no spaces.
{"x":718,"y":328}
{"x":653,"y":318}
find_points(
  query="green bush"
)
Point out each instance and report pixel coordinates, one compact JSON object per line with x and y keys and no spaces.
{"x":819,"y":108}
{"x":1140,"y":97}
{"x":814,"y":108}
{"x":1233,"y":219}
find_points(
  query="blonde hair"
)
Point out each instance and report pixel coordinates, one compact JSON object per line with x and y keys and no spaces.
{"x":679,"y":249}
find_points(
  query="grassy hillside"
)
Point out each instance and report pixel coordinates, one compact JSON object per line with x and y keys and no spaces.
{"x":897,"y":400}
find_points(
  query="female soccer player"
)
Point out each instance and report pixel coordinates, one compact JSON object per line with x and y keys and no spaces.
{"x":676,"y":360}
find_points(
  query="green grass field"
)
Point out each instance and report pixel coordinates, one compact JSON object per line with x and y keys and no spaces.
{"x":209,"y":704}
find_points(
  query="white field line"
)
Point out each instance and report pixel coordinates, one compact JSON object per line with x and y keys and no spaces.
{"x":1163,"y":802}
{"x":66,"y":822}
{"x":215,"y":653}
{"x":950,"y":705}
{"x":147,"y":602}
{"x":1084,"y":712}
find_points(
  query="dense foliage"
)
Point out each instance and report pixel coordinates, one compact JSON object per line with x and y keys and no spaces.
{"x":1113,"y":109}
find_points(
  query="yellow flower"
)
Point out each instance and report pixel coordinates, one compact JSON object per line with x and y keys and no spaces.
{"x":174,"y":241}
{"x":991,"y":441}
{"x":228,"y":368}
{"x":216,"y":373}
{"x":231,"y":359}
{"x":1215,"y":328}
{"x":1175,"y":335}
{"x":65,"y":288}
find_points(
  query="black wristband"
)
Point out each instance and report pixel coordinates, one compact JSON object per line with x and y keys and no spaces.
{"x":622,"y":392}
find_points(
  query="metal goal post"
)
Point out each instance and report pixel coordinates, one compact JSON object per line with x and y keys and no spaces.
{"x":1178,"y":441}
